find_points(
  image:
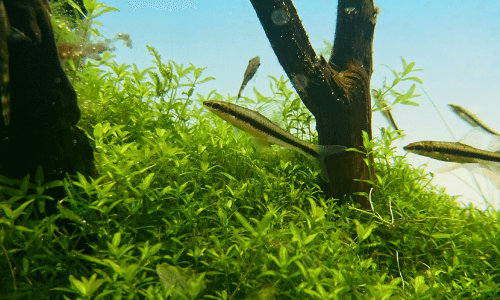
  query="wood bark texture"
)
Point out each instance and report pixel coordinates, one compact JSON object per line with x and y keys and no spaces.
{"x":336,"y":92}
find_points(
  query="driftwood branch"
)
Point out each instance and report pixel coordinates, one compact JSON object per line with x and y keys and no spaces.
{"x":336,"y":92}
{"x":39,"y":104}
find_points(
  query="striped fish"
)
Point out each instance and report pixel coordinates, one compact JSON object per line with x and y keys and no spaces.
{"x":268,"y":132}
{"x":470,"y":118}
{"x":253,"y":65}
{"x":460,"y":153}
{"x":452,"y":152}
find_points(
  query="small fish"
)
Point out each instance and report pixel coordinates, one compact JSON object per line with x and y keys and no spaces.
{"x":267,"y":131}
{"x":253,"y":65}
{"x":452,"y":152}
{"x":460,"y":153}
{"x":386,"y":112}
{"x":470,"y":118}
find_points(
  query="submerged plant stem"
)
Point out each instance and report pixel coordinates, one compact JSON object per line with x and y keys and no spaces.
{"x":11,"y":269}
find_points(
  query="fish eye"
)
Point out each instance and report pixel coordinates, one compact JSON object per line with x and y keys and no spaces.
{"x":415,"y":148}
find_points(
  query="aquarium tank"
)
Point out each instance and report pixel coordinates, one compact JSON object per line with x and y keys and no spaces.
{"x":256,"y":150}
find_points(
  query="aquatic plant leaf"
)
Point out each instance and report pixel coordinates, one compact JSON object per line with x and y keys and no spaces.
{"x":266,"y":293}
{"x":39,"y":179}
{"x":86,"y":287}
{"x":245,"y":224}
{"x":264,"y":223}
{"x":408,"y":95}
{"x":363,"y":233}
{"x":408,"y":69}
{"x":414,"y":79}
{"x":206,"y":79}
{"x":78,"y":8}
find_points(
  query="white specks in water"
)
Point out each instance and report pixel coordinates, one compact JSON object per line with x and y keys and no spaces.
{"x":279,"y":17}
{"x":300,"y":82}
{"x":58,"y":80}
{"x":74,"y":142}
{"x":351,"y":10}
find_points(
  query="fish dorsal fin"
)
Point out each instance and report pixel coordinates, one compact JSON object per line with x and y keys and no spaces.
{"x":472,"y":138}
{"x":271,"y":110}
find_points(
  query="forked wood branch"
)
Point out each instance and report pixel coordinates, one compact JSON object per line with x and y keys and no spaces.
{"x":336,"y":92}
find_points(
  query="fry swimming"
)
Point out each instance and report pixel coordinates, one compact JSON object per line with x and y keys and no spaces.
{"x":253,"y":65}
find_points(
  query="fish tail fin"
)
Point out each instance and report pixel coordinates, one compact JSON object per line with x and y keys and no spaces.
{"x":243,"y":85}
{"x":323,"y":152}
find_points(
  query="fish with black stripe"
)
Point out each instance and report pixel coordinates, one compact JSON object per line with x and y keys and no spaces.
{"x":470,"y":118}
{"x":268,"y":132}
{"x":461,"y":153}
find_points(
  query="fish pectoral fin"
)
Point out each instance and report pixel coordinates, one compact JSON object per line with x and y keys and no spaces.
{"x":236,"y":132}
{"x":261,"y":144}
{"x":448,"y":167}
{"x":272,"y":112}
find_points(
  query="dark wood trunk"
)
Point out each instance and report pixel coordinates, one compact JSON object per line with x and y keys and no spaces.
{"x":40,"y":108}
{"x":336,"y":92}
